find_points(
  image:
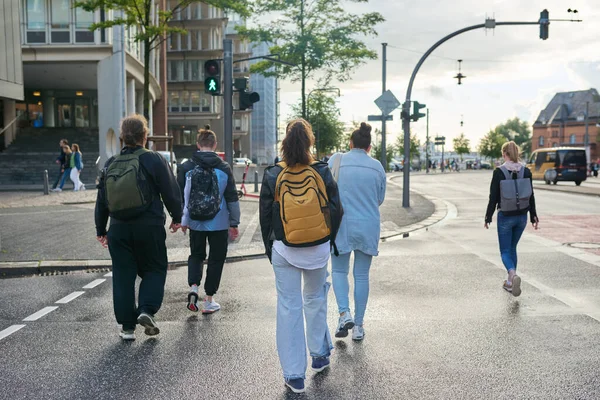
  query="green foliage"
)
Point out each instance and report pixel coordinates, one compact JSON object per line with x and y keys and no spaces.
{"x":324,"y":116}
{"x":491,"y":144}
{"x":376,"y":154}
{"x":518,"y":131}
{"x":415,"y":143}
{"x":462,"y":145}
{"x":315,"y":36}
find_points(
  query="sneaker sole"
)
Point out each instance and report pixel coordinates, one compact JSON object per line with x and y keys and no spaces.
{"x":210,"y":311}
{"x":360,"y":339}
{"x":321,"y":369}
{"x":150,"y":328}
{"x":293,"y":389}
{"x":342,"y":333}
{"x":516,"y":286}
{"x":127,"y":338}
{"x":192,"y":305}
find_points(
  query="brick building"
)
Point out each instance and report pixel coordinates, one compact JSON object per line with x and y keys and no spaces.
{"x":562,"y":122}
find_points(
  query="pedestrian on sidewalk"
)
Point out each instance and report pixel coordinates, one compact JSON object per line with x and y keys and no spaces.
{"x":361,"y":181}
{"x":300,"y":214}
{"x":60,"y":160}
{"x":211,"y":212}
{"x":67,"y":169}
{"x":76,"y":167}
{"x":133,"y":186}
{"x":517,"y":201}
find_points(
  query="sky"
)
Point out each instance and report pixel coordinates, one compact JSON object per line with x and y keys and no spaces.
{"x":510,"y":70}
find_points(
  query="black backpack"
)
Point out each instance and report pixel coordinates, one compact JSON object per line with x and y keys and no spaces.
{"x":128,"y":190}
{"x":205,"y":197}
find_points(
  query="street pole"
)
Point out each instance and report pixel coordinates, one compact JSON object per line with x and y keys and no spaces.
{"x":427,"y":144}
{"x":228,"y":99}
{"x":383,"y":144}
{"x":586,"y":138}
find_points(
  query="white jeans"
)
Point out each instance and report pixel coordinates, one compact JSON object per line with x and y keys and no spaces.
{"x":292,"y":311}
{"x":75,"y":179}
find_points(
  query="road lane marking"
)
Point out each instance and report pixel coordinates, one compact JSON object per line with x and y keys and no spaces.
{"x":93,"y":284}
{"x":43,"y":212}
{"x":109,"y":275}
{"x":70,"y":297}
{"x":10,"y":330}
{"x":40,"y":314}
{"x":250,"y":229}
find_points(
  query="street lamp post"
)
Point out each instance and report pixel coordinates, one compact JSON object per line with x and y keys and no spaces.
{"x":330,"y":89}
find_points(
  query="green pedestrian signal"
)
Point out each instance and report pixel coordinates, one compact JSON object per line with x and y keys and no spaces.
{"x":416,"y":114}
{"x":212,"y":86}
{"x":212,"y":83}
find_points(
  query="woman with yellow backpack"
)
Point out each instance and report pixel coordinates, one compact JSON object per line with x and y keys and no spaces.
{"x":300,"y":214}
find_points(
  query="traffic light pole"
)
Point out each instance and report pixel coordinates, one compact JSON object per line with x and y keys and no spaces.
{"x":228,"y":100}
{"x":490,"y":23}
{"x":427,"y":144}
{"x":384,"y":162}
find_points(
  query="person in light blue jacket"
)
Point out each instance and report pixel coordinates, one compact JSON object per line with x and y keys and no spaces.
{"x":361,"y":181}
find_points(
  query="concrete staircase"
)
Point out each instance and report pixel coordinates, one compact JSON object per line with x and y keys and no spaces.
{"x":35,"y":150}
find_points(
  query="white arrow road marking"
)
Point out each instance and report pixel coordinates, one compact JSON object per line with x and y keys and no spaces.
{"x":10,"y":330}
{"x":70,"y":297}
{"x":40,"y":314}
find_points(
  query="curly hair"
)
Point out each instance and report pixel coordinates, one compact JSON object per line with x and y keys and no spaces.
{"x":134,"y":130}
{"x":296,"y":147}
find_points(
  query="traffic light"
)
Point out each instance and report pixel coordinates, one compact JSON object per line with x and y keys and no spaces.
{"x":212,"y":83}
{"x":544,"y":24}
{"x":247,"y":99}
{"x":416,"y":114}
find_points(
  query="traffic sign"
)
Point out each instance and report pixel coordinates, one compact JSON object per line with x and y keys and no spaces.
{"x":440,"y":138}
{"x":378,"y":117}
{"x":387,"y":102}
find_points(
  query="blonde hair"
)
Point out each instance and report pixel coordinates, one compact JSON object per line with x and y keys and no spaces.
{"x":75,"y":148}
{"x":511,"y":150}
{"x":67,"y":150}
{"x":134,"y":130}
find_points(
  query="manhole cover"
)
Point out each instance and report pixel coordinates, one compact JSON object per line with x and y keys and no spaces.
{"x":584,"y":245}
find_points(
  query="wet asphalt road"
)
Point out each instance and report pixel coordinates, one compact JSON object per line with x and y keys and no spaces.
{"x":438,"y":324}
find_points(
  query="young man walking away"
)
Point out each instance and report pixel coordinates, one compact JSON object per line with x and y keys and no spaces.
{"x":60,"y":160}
{"x":212,"y":212}
{"x":132,"y":189}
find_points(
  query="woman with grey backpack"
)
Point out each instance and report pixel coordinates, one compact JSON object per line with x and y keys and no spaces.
{"x":511,"y":192}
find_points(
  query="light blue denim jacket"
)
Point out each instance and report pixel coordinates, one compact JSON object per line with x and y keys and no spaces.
{"x":361,"y":184}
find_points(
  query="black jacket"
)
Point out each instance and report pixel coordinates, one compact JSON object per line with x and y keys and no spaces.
{"x":267,"y":197}
{"x":495,"y":197}
{"x":208,"y":159}
{"x":163,"y":185}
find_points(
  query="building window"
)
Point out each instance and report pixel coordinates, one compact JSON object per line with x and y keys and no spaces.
{"x":554,"y":144}
{"x":174,"y":42}
{"x":174,"y":101}
{"x":83,"y":21}
{"x":196,"y":72}
{"x":194,"y":41}
{"x":60,"y":10}
{"x":185,"y":101}
{"x":572,"y":139}
{"x":541,"y":142}
{"x":195,"y":100}
{"x":555,"y":134}
{"x":36,"y":21}
{"x":205,"y":104}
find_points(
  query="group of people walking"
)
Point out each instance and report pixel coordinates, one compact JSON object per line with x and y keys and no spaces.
{"x":310,"y":212}
{"x":70,"y":162}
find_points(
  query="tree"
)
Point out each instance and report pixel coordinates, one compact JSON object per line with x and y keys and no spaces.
{"x":325,"y":120}
{"x":415,"y":144}
{"x":151,"y":31}
{"x":376,"y":154}
{"x":518,"y":131}
{"x":491,"y":145}
{"x":462,"y":145}
{"x":313,"y":36}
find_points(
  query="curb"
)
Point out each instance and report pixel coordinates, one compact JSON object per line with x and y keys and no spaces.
{"x":48,"y":268}
{"x":565,"y":191}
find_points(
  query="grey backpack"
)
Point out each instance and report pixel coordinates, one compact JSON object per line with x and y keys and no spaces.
{"x":514,"y":193}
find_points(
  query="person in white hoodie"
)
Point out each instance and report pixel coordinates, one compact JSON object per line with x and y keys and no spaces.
{"x":511,"y":224}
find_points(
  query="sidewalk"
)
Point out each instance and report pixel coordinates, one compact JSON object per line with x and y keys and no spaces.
{"x":55,"y":233}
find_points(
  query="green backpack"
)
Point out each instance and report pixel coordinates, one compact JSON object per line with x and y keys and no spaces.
{"x":127,"y":189}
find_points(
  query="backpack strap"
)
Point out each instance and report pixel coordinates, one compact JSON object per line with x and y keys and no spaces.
{"x":141,"y":151}
{"x":506,"y":172}
{"x":521,"y":173}
{"x":335,"y":169}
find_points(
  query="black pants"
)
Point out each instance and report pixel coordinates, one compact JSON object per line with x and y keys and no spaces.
{"x":137,"y":250}
{"x":218,"y":241}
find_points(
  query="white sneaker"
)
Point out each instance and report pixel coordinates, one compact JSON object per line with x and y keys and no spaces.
{"x":209,"y":307}
{"x":346,"y":322}
{"x":82,"y":188}
{"x":56,"y":190}
{"x":358,"y":333}
{"x":127,"y":334}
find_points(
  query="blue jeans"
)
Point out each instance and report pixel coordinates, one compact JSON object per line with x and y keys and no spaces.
{"x":65,"y":176}
{"x":510,"y":230}
{"x":340,"y":266}
{"x":291,"y":312}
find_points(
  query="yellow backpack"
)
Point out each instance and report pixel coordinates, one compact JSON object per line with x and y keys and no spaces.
{"x":301,"y":197}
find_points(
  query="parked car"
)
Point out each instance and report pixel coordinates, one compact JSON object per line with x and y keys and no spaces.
{"x":485,"y":165}
{"x":559,"y":164}
{"x":172,"y":163}
{"x":242,"y":161}
{"x":395,"y":165}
